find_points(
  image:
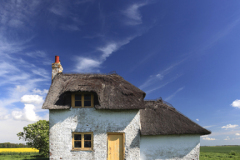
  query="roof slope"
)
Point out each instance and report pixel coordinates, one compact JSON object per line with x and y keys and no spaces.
{"x":159,"y":118}
{"x":113,"y":91}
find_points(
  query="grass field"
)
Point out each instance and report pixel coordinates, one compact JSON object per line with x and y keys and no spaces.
{"x":220,"y":153}
{"x":206,"y":153}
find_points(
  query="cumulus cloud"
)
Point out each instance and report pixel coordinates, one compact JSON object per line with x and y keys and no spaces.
{"x":236,"y":103}
{"x":227,"y":138}
{"x":32,"y":99}
{"x":207,"y":138}
{"x":230,"y":126}
{"x":27,"y":114}
{"x":237,"y":134}
{"x":197,"y":119}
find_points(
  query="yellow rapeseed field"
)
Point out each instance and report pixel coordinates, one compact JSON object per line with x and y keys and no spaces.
{"x":18,"y":150}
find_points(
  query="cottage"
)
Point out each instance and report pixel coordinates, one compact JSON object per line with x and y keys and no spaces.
{"x":104,"y":117}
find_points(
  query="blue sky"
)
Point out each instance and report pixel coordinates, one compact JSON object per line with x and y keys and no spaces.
{"x":186,"y":52}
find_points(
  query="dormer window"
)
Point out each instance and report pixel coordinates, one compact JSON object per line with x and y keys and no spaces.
{"x":82,"y":99}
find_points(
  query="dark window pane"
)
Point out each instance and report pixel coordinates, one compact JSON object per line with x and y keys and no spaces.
{"x":87,"y":103}
{"x":87,"y":144}
{"x":78,"y":103}
{"x":87,"y":97}
{"x":77,"y":136}
{"x":78,"y":96}
{"x":77,"y":144}
{"x":87,"y":136}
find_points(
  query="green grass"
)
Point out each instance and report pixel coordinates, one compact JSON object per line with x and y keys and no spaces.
{"x":206,"y":153}
{"x":220,"y":153}
{"x":27,"y":156}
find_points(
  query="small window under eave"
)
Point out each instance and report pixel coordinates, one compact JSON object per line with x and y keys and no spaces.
{"x":84,"y":99}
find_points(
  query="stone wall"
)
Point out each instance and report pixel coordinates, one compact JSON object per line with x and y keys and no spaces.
{"x":100,"y":122}
{"x":180,"y":147}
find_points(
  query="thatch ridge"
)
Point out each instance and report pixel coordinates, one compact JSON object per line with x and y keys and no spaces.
{"x":159,"y":118}
{"x":112,"y":90}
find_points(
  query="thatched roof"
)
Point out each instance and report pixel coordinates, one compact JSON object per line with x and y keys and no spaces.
{"x":112,"y":91}
{"x":159,"y":118}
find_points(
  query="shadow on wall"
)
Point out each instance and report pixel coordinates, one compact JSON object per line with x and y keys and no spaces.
{"x":170,"y":147}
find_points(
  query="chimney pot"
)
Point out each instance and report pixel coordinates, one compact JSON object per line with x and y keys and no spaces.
{"x":56,"y":67}
{"x":56,"y":59}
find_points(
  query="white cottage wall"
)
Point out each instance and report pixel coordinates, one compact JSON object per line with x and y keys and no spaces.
{"x":174,"y":147}
{"x":100,"y":122}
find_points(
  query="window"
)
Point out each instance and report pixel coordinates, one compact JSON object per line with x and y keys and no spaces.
{"x":82,"y":100}
{"x":82,"y":141}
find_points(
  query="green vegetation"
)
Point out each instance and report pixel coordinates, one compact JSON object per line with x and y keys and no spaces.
{"x":13,"y":145}
{"x":21,"y":156}
{"x":37,"y":135}
{"x":220,"y":153}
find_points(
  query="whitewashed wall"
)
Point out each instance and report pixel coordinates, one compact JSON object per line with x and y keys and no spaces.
{"x":64,"y":122}
{"x":174,"y":147}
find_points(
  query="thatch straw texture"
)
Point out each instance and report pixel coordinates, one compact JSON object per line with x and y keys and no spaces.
{"x":159,"y":118}
{"x":112,"y":90}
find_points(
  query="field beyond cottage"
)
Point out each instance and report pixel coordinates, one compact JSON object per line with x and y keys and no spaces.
{"x":20,"y":154}
{"x":220,"y":153}
{"x":206,"y":153}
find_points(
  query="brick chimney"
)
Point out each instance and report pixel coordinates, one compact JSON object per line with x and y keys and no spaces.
{"x":56,"y":67}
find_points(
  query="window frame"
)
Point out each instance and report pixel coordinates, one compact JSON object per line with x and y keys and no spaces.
{"x":82,"y":100}
{"x":82,"y":141}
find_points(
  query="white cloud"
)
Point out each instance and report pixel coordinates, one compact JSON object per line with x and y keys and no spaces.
{"x":41,"y":72}
{"x":7,"y":68}
{"x":17,"y":13}
{"x":20,"y":88}
{"x":236,"y":103}
{"x":227,"y":138}
{"x":230,"y":126}
{"x":36,"y":54}
{"x":207,"y":138}
{"x":108,"y":49}
{"x":197,"y":119}
{"x":17,"y":115}
{"x":35,"y":99}
{"x":237,"y":134}
{"x":171,"y":96}
{"x":153,"y":79}
{"x":208,"y":126}
{"x":161,"y":84}
{"x":133,"y":15}
{"x":40,"y":92}
{"x":87,"y":64}
{"x":27,"y":114}
{"x":2,"y":117}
